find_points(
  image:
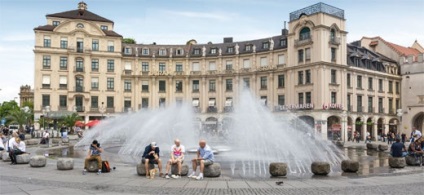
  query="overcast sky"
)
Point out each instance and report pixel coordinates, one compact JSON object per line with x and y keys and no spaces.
{"x":177,"y":21}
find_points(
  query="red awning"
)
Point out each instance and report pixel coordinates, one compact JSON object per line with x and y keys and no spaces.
{"x":79,"y":123}
{"x":92,"y":123}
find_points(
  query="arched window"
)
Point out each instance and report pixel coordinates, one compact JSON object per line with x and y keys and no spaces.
{"x":305,"y":33}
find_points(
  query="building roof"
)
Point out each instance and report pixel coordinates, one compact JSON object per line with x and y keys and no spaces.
{"x":111,"y":33}
{"x":45,"y":28}
{"x":80,"y":14}
{"x":401,"y":50}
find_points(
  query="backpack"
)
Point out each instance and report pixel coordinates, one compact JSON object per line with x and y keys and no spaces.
{"x":105,"y":166}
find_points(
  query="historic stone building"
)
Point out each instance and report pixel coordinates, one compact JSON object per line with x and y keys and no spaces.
{"x":310,"y":70}
{"x":26,"y":94}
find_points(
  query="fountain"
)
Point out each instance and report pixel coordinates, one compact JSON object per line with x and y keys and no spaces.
{"x":254,"y":139}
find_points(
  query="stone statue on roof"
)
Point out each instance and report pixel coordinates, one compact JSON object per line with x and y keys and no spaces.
{"x":254,"y":48}
{"x":237,"y":49}
{"x":220,"y":51}
{"x":271,"y":44}
{"x":203,"y":51}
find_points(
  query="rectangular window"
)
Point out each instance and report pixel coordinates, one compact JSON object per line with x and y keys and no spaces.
{"x":162,"y":86}
{"x":246,"y":63}
{"x":390,"y":86}
{"x":178,"y":86}
{"x":380,"y":85}
{"x":46,"y":100}
{"x":196,"y":52}
{"x":370,"y":109}
{"x":359,"y":103}
{"x":265,"y":45}
{"x":63,"y":82}
{"x":300,"y":98}
{"x":162,"y":52}
{"x":63,"y":64}
{"x":246,"y":82}
{"x":179,"y":52}
{"x":391,"y":111}
{"x":370,"y":85}
{"x":103,"y":27}
{"x":308,"y":77}
{"x":349,"y":107}
{"x":94,"y":83}
{"x":144,"y":86}
{"x":110,"y":102}
{"x":195,"y":85}
{"x":397,"y":88}
{"x":80,"y":45}
{"x":63,"y":43}
{"x":229,"y":65}
{"x":359,"y":82}
{"x":195,"y":66}
{"x":95,"y":65}
{"x":127,"y":105}
{"x":281,"y":82}
{"x":308,"y":98}
{"x":264,"y":83}
{"x":144,"y":102}
{"x":95,"y":45}
{"x":63,"y":101}
{"x":230,"y":50}
{"x":56,"y":23}
{"x":281,"y":100}
{"x":333,"y":54}
{"x":333,"y":97}
{"x":248,"y":48}
{"x":229,"y":84}
{"x":46,"y":62}
{"x":94,"y":101}
{"x":281,"y":59}
{"x":212,"y":66}
{"x":213,"y":51}
{"x":380,"y":105}
{"x":397,"y":104}
{"x":212,"y":85}
{"x":333,"y":76}
{"x":308,"y":54}
{"x":349,"y":85}
{"x":46,"y":81}
{"x":110,"y":65}
{"x":110,"y":46}
{"x":127,"y":85}
{"x":145,"y":66}
{"x":110,"y":84}
{"x":300,"y":77}
{"x":283,"y":42}
{"x":264,"y":61}
{"x":300,"y":55}
{"x":145,"y":51}
{"x":47,"y":41}
{"x":179,"y":67}
{"x":162,"y":67}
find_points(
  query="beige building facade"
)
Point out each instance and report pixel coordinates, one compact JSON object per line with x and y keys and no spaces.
{"x":26,"y":94}
{"x":309,"y":70}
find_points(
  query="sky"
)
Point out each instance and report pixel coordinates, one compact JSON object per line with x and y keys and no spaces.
{"x":177,"y":21}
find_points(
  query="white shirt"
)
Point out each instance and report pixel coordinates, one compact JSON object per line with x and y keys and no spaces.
{"x":418,"y":133}
{"x":177,"y":151}
{"x":21,"y":146}
{"x":46,"y":135}
{"x":1,"y":144}
{"x":11,"y":143}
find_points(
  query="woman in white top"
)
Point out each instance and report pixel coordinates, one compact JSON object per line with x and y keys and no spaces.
{"x":17,"y":149}
{"x":1,"y":142}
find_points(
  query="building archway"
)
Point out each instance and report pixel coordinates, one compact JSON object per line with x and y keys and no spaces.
{"x":380,"y":126}
{"x":349,"y":128}
{"x":358,"y":127}
{"x":393,"y":125}
{"x":418,"y":121}
{"x":370,"y":125}
{"x":333,"y":128}
{"x":308,"y":120}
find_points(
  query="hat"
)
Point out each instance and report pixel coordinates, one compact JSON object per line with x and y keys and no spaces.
{"x":153,"y":144}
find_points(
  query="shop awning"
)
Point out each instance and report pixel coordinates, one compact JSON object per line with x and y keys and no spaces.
{"x":211,"y":102}
{"x":262,"y":102}
{"x":195,"y":103}
{"x":229,"y":103}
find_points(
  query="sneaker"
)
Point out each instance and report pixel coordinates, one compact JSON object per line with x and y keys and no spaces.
{"x":199,"y":177}
{"x":175,"y":176}
{"x":192,"y":176}
{"x":99,"y":172}
{"x":84,"y":172}
{"x":167,"y":176}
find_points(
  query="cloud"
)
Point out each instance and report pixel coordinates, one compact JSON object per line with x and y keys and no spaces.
{"x":203,"y":15}
{"x":18,"y":37}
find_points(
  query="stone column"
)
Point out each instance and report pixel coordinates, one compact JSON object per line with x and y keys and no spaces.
{"x":374,"y":131}
{"x":364,"y":131}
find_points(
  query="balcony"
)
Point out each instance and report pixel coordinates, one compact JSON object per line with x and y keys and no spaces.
{"x":79,"y":89}
{"x":334,"y":40}
{"x":195,"y":72}
{"x":229,"y":71}
{"x":80,"y":50}
{"x":243,"y":70}
{"x":228,"y":109}
{"x":179,"y":73}
{"x":79,"y":108}
{"x":94,"y":109}
{"x":212,"y":109}
{"x":370,"y":109}
{"x":212,"y":72}
{"x":307,"y":40}
{"x":79,"y":69}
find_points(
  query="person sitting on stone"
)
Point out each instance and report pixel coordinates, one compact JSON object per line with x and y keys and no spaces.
{"x":415,"y":149}
{"x":1,"y":142}
{"x":94,"y":154}
{"x":18,"y":147}
{"x":398,"y":149}
{"x":45,"y":139}
{"x":151,"y":155}
{"x":177,"y":157}
{"x":204,"y":158}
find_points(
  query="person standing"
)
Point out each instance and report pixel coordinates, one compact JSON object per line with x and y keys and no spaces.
{"x":177,"y":157}
{"x":204,"y":158}
{"x":94,"y":154}
{"x":18,"y":147}
{"x":151,"y":155}
{"x":403,"y":138}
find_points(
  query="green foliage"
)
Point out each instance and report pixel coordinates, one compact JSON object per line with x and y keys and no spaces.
{"x":129,"y":41}
{"x":6,"y":108}
{"x":29,"y":104}
{"x":70,"y":120}
{"x":20,"y":117}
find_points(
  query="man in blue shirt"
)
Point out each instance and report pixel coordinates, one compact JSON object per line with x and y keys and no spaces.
{"x":151,"y":155}
{"x":398,"y":149}
{"x":204,"y":158}
{"x":94,"y":154}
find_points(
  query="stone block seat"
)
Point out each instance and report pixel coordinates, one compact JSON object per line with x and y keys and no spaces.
{"x":320,"y":168}
{"x":5,"y":156}
{"x":213,"y":170}
{"x":38,"y":161}
{"x":277,"y":169}
{"x":412,"y":161}
{"x":65,"y":164}
{"x":398,"y":162}
{"x":31,"y":142}
{"x":22,"y":158}
{"x":184,"y":169}
{"x":141,"y":170}
{"x":383,"y":147}
{"x":372,"y":146}
{"x":92,"y":166}
{"x":350,"y":166}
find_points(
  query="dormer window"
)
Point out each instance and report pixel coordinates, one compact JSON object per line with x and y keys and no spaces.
{"x":283,"y":42}
{"x":162,"y":52}
{"x":213,"y":51}
{"x":127,"y":50}
{"x":248,"y":48}
{"x":145,"y":51}
{"x":230,"y":50}
{"x":103,"y":27}
{"x":305,"y":34}
{"x":196,"y":51}
{"x":56,"y":23}
{"x":265,"y":45}
{"x":179,"y":52}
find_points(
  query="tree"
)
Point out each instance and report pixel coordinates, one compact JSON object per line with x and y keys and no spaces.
{"x":70,"y":120}
{"x":129,"y":41}
{"x":20,"y":117}
{"x":6,"y":108}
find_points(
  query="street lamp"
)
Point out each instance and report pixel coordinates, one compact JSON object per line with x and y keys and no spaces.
{"x":102,"y":109}
{"x":344,"y":131}
{"x":47,"y":108}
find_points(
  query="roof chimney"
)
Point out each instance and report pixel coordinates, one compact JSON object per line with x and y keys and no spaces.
{"x":284,"y":31}
{"x":82,"y":6}
{"x":228,"y":39}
